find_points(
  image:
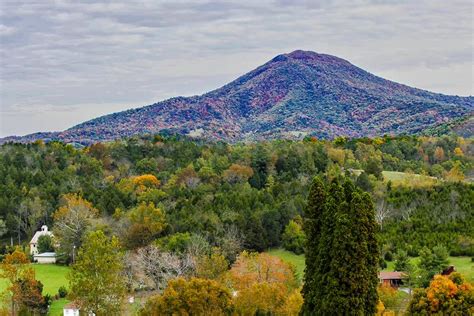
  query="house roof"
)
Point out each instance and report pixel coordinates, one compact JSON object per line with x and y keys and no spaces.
{"x":38,"y":234}
{"x":71,"y":305}
{"x":46,"y":254}
{"x":395,"y":275}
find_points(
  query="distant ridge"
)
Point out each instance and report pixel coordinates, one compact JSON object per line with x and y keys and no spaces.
{"x":291,"y":96}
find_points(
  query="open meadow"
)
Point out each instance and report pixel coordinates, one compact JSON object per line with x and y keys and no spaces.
{"x":53,"y":277}
{"x":463,"y":265}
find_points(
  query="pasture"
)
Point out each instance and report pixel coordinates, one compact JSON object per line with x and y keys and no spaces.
{"x":463,"y":265}
{"x":53,"y":277}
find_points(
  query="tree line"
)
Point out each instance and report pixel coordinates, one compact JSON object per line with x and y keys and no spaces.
{"x":256,"y":189}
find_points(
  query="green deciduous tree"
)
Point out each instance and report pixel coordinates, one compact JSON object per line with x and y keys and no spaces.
{"x":96,"y":281}
{"x":45,"y":244}
{"x":147,"y":222}
{"x":293,"y":237}
{"x":374,"y":167}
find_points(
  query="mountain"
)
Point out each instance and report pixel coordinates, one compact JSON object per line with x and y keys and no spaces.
{"x":291,"y":96}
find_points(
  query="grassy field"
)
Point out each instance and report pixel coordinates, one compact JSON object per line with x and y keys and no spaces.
{"x":463,"y":265}
{"x":290,"y":257}
{"x":52,"y":276}
{"x":410,"y":179}
{"x":404,"y":178}
{"x":56,"y":308}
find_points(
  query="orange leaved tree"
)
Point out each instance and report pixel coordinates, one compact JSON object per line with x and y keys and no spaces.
{"x":445,"y":296}
{"x":23,"y":290}
{"x":264,"y":284}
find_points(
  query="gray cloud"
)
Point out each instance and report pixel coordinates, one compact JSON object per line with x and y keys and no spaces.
{"x":63,"y":62}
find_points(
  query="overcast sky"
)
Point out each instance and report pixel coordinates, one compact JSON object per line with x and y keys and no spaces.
{"x":63,"y":62}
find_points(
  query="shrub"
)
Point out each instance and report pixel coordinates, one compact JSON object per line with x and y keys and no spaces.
{"x":388,"y":256}
{"x":62,"y":292}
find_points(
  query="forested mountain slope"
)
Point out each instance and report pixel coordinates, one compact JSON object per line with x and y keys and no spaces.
{"x":291,"y":96}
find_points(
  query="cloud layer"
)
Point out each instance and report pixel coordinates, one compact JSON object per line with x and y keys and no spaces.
{"x":63,"y":62}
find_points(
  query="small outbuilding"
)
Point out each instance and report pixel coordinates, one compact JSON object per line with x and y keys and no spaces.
{"x":393,"y":279}
{"x":45,"y":257}
{"x":71,"y":309}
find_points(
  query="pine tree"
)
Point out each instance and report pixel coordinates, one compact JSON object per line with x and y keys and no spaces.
{"x":341,"y":251}
{"x":401,"y":261}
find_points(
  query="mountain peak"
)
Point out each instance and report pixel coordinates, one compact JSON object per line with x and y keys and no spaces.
{"x":310,"y":57}
{"x":303,"y":54}
{"x":295,"y":94}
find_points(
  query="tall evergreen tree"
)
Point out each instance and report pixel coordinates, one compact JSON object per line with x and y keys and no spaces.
{"x":312,"y":227}
{"x":341,"y":251}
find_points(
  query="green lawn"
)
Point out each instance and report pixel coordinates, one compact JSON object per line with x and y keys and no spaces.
{"x":52,"y":276}
{"x":56,"y":308}
{"x":290,"y":257}
{"x":463,"y":265}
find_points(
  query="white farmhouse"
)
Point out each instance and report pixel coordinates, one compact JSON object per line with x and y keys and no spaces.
{"x":34,"y":240}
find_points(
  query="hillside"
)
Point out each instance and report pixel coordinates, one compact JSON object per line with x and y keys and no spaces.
{"x":291,"y":96}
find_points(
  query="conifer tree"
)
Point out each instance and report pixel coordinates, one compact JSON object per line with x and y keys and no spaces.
{"x":312,"y":227}
{"x":341,"y":251}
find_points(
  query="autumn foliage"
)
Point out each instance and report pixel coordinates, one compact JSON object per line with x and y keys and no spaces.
{"x":252,"y":268}
{"x":237,"y":173}
{"x":264,"y":284}
{"x":445,"y":296}
{"x":24,"y":291}
{"x":146,"y":180}
{"x":190,"y":297}
{"x":71,"y":221}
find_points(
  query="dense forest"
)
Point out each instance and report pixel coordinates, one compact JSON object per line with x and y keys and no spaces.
{"x":420,"y":186}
